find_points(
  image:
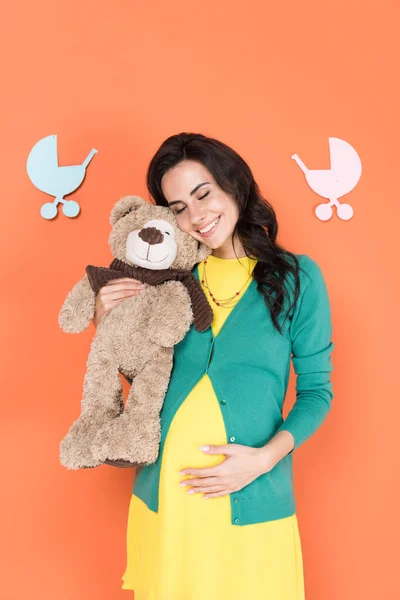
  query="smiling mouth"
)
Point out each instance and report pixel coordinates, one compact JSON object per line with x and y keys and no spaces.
{"x":209,"y":229}
{"x":150,"y":261}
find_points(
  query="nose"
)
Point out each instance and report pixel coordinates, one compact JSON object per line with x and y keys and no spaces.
{"x":197,"y":221}
{"x":151,"y":235}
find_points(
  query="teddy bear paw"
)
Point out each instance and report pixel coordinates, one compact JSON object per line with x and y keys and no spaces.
{"x":76,"y":454}
{"x":75,"y":448}
{"x":120,"y":443}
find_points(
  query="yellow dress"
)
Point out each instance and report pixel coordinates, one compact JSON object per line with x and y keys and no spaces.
{"x":189,"y":549}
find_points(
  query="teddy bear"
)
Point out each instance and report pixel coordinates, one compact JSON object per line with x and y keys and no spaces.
{"x":136,"y":338}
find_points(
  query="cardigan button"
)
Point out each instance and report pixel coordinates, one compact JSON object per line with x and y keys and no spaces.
{"x":223,"y":401}
{"x":236,"y":500}
{"x":237,"y":521}
{"x":232,"y":438}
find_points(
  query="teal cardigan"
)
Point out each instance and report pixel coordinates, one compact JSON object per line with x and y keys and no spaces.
{"x":248,"y":363}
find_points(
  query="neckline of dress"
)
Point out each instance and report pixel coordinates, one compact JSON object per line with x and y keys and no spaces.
{"x":235,"y":259}
{"x":236,"y":310}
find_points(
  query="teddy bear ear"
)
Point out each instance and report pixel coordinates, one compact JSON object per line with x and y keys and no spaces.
{"x":203,"y":251}
{"x":124,"y":206}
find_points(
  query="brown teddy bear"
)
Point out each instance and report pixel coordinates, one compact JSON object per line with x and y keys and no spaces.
{"x":135,"y":338}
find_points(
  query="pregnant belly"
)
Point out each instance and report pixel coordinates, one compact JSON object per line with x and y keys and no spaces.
{"x":197,"y":422}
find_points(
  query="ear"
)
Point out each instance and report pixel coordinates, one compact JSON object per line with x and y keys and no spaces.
{"x":124,"y":206}
{"x":203,"y":251}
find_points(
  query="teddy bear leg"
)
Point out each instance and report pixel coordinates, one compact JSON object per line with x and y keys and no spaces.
{"x":133,"y":438}
{"x":102,"y":401}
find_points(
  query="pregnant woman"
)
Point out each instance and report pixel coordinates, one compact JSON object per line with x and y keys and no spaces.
{"x":214,"y":518}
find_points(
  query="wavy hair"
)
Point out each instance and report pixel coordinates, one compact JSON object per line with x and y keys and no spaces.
{"x":257,"y":225}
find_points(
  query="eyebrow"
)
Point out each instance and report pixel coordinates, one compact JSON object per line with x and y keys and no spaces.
{"x":191,"y":193}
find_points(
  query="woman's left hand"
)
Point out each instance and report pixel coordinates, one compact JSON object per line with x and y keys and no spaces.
{"x":243,"y":464}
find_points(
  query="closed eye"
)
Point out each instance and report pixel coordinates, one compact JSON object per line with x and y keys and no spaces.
{"x":201,"y":198}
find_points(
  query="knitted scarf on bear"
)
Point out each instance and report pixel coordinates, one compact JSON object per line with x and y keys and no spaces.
{"x":202,"y":311}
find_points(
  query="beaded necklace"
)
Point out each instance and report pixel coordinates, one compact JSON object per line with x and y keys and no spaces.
{"x":224,"y":302}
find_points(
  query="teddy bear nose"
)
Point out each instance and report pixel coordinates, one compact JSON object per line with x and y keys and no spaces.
{"x":151,"y":235}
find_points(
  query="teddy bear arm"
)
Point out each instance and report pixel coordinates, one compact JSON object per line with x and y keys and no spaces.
{"x":172,"y":315}
{"x":78,"y":308}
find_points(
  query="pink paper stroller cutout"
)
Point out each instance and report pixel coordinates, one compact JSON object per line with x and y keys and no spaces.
{"x":335,"y":182}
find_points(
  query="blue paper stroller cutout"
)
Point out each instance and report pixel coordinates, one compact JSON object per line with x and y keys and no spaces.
{"x":47,"y":176}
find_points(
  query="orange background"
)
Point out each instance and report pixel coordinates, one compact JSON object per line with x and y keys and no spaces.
{"x":269,"y":79}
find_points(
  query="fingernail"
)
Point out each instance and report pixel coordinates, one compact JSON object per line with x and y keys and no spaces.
{"x":142,"y":291}
{"x":205,"y":448}
{"x":143,"y":285}
{"x":182,"y":484}
{"x":191,"y":491}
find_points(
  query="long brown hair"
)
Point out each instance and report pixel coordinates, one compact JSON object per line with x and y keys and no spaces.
{"x":257,"y":225}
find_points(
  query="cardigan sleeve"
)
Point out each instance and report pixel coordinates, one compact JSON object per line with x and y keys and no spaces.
{"x":311,"y":336}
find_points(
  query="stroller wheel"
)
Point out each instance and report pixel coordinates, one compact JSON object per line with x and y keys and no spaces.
{"x":70,"y":208}
{"x":323,"y":212}
{"x":48,"y":210}
{"x":345,"y":212}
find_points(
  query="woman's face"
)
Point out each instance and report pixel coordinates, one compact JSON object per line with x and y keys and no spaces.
{"x":201,"y":208}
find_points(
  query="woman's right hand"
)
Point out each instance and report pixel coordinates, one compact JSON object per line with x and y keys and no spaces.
{"x":114,"y":292}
